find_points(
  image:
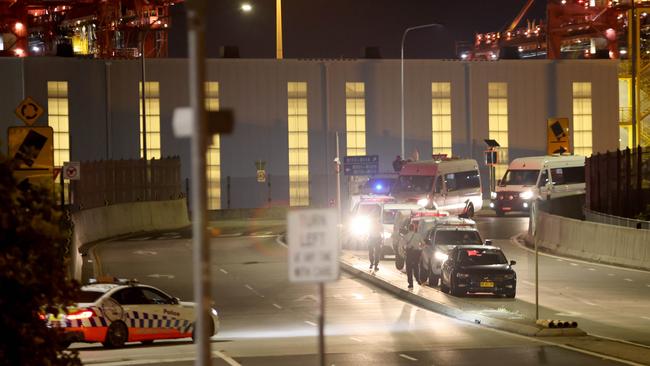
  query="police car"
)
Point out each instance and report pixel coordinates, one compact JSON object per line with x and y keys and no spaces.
{"x":116,"y":313}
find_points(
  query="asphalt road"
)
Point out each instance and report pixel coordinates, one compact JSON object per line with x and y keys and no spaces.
{"x":268,"y":321}
{"x":605,"y":300}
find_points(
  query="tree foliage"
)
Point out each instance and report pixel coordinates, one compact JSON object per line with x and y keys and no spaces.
{"x":33,"y":273}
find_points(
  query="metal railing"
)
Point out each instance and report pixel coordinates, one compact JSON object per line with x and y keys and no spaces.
{"x":602,"y":218}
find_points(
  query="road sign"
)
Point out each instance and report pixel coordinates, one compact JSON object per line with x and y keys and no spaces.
{"x":32,"y":148}
{"x":361,"y":165}
{"x":29,"y":111}
{"x":72,"y":170}
{"x":491,"y":157}
{"x":313,"y":245}
{"x":558,"y":138}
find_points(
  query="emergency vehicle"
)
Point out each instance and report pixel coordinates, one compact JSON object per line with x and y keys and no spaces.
{"x":367,"y":210}
{"x":126,"y":311}
{"x":538,"y":178}
{"x":449,"y":184}
{"x":422,"y":218}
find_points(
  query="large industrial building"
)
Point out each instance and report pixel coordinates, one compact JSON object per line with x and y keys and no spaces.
{"x":288,"y":112}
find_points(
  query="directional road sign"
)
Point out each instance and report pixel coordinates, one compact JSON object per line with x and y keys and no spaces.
{"x":29,"y":111}
{"x":558,"y":136}
{"x":313,"y":245}
{"x":33,"y":149}
{"x":361,"y":165}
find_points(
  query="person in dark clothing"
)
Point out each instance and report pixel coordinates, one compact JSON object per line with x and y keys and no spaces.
{"x":397,"y":163}
{"x":413,"y":252}
{"x":375,"y":243}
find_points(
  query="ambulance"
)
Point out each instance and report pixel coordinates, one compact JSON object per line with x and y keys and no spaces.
{"x":449,"y":184}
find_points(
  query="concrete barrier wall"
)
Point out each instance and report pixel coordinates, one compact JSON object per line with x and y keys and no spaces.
{"x":593,"y":241}
{"x":110,"y":221}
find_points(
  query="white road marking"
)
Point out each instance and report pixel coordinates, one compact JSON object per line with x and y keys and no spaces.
{"x":229,"y":235}
{"x":223,"y":270}
{"x":645,"y":317}
{"x":573,"y":264}
{"x":311,"y":323}
{"x":628,"y":279}
{"x":560,"y":260}
{"x":356,"y":339}
{"x":261,"y":233}
{"x":648,"y":285}
{"x":611,"y":274}
{"x":157,"y":275}
{"x":587,"y":302}
{"x":229,"y":360}
{"x":142,"y":238}
{"x":408,"y":357}
{"x":253,"y":290}
{"x":622,"y":341}
{"x":145,"y":252}
{"x":277,"y":240}
{"x":277,"y":306}
{"x":591,"y":269}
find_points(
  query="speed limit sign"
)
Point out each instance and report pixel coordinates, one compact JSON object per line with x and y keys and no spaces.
{"x":72,"y":170}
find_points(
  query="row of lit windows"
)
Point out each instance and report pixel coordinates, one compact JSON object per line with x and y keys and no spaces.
{"x":298,"y":134}
{"x":298,"y":127}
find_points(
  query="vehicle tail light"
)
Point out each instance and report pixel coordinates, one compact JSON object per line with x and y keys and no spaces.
{"x":81,"y":314}
{"x":41,"y":316}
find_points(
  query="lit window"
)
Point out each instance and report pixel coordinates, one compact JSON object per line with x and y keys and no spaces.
{"x":355,"y":119}
{"x":498,"y":123}
{"x":58,"y":119}
{"x":152,"y":104}
{"x":298,"y":129}
{"x":582,"y":140}
{"x":213,"y":156}
{"x":441,"y":118}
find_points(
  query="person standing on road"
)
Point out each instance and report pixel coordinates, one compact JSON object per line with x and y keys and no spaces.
{"x":375,"y":242}
{"x":413,"y":252}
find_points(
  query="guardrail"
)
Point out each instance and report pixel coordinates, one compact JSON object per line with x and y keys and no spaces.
{"x":603,"y":218}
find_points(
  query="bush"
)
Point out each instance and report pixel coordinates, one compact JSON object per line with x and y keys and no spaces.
{"x":33,"y":273}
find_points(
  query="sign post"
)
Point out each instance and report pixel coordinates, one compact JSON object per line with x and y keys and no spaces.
{"x":313,"y":255}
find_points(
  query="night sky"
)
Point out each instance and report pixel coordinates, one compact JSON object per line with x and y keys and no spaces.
{"x":343,"y":28}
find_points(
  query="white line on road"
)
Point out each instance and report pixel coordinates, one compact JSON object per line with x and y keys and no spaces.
{"x":591,"y":269}
{"x":629,"y":280}
{"x":253,"y":290}
{"x":587,"y":302}
{"x":223,"y":270}
{"x":277,"y":306}
{"x":356,"y":339}
{"x":645,"y":317}
{"x":648,"y":285}
{"x":573,"y":264}
{"x":229,"y":360}
{"x":231,"y":235}
{"x":408,"y":357}
{"x":311,"y":323}
{"x":277,"y":240}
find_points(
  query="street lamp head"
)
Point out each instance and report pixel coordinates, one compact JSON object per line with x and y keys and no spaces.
{"x":246,"y":7}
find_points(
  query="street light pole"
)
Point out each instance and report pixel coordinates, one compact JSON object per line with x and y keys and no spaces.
{"x":279,"y":53}
{"x":402,"y":71}
{"x":143,"y":94}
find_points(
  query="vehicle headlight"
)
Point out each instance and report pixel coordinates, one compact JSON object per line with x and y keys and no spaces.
{"x":462,"y":275}
{"x":493,"y":195}
{"x":442,"y":257}
{"x":360,"y":225}
{"x":424,"y":202}
{"x":526,"y":195}
{"x":509,"y":276}
{"x":386,"y":235}
{"x":214,"y":312}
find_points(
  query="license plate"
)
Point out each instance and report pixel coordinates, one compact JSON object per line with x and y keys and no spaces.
{"x":487,"y":284}
{"x":506,"y":208}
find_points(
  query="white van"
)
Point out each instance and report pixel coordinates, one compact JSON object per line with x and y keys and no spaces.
{"x":452,"y":185}
{"x":538,"y":177}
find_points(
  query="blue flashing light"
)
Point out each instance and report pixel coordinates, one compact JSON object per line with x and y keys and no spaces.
{"x":378,"y":187}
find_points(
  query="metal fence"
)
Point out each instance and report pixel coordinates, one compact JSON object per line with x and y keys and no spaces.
{"x":109,"y":182}
{"x":618,"y":182}
{"x":602,"y":218}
